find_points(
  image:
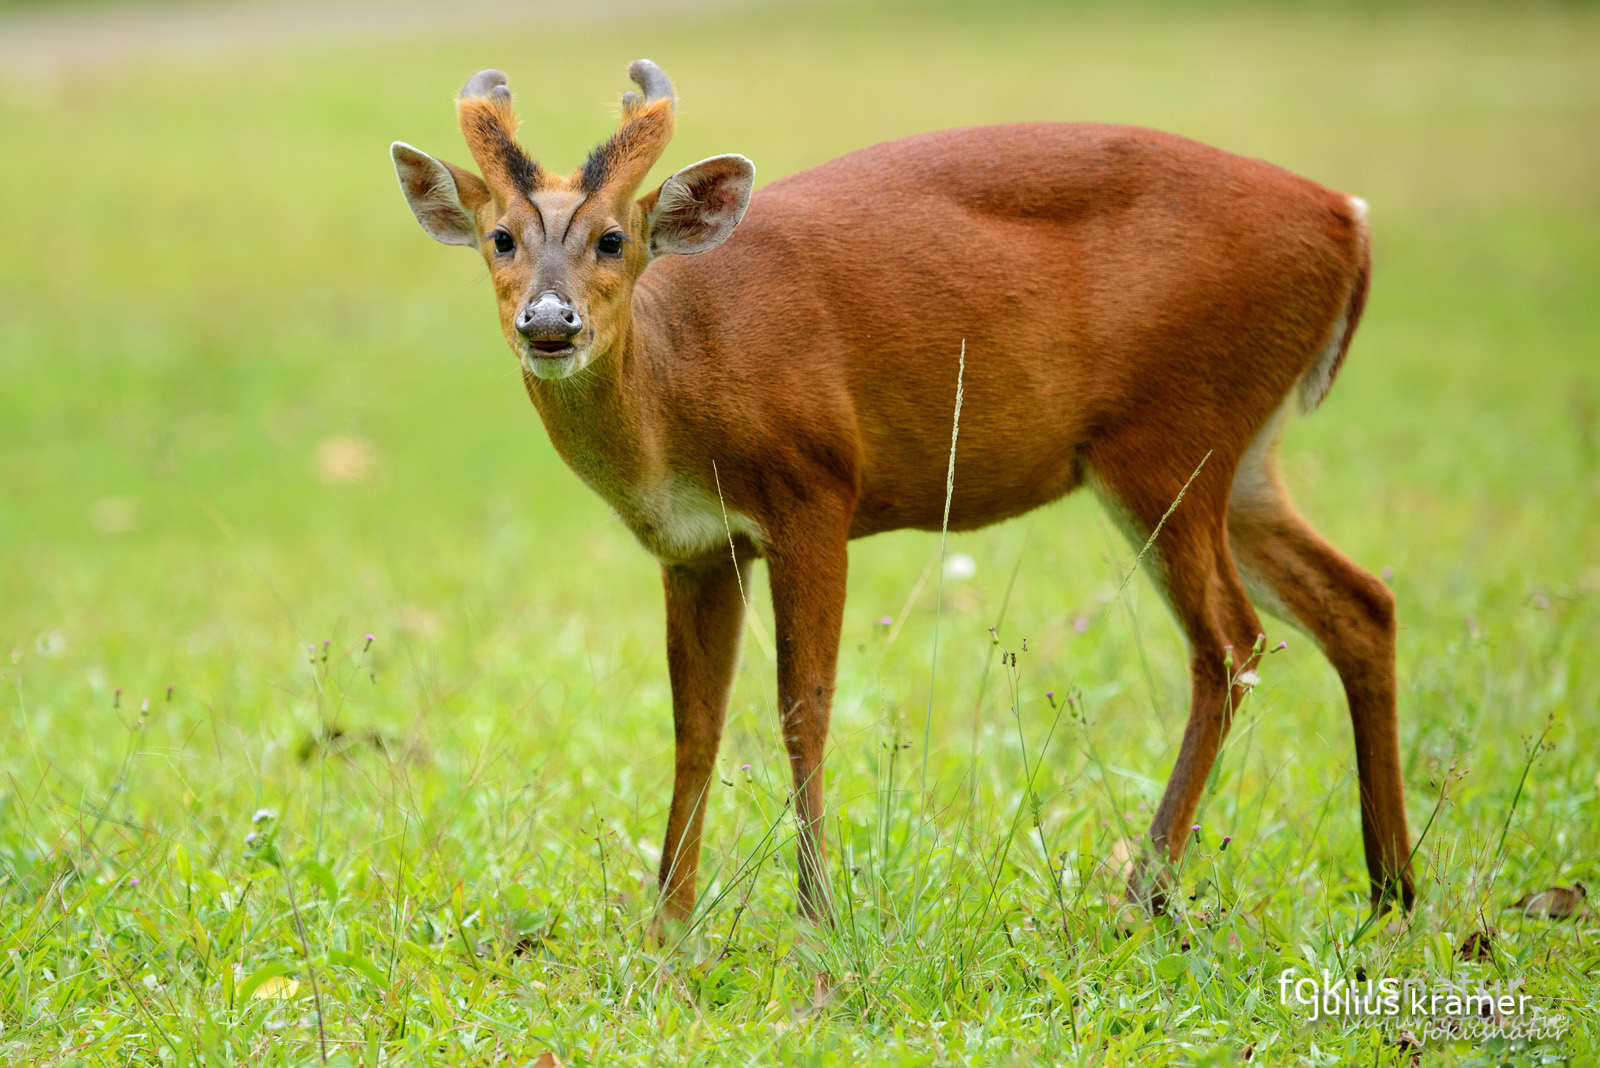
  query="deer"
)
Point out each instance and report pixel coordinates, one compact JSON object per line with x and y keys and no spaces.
{"x":769,"y":374}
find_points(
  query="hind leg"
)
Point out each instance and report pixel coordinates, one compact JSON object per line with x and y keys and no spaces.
{"x":1293,"y":572}
{"x":1195,"y":571}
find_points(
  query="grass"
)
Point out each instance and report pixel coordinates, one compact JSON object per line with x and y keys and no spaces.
{"x":249,"y":414}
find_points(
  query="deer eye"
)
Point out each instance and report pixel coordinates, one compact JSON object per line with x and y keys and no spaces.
{"x":609,"y":244}
{"x":503,"y":242}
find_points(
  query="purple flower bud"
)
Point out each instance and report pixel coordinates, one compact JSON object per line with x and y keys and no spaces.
{"x":884,"y":621}
{"x":744,"y":767}
{"x":1196,"y":827}
{"x":133,"y":880}
{"x":370,"y":639}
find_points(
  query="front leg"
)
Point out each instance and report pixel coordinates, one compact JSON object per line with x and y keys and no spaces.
{"x":808,"y":587}
{"x":705,"y":610}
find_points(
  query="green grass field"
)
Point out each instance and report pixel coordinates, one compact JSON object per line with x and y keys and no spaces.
{"x":248,"y":410}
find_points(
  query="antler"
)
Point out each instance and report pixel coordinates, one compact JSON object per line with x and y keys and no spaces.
{"x":649,"y":77}
{"x":489,"y":123}
{"x":618,"y":166}
{"x":489,"y":83}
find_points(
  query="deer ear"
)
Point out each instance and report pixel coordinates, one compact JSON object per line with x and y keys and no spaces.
{"x":443,"y":198}
{"x":696,"y":209}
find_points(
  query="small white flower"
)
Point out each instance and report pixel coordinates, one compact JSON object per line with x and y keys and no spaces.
{"x":960,"y":566}
{"x":1248,"y":679}
{"x":262,"y":815}
{"x":250,"y":839}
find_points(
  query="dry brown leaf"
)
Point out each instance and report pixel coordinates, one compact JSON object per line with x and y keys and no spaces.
{"x":1479,"y":946}
{"x":548,"y":1059}
{"x":1556,"y":903}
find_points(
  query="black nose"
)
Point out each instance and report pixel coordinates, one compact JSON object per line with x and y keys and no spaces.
{"x":548,"y":318}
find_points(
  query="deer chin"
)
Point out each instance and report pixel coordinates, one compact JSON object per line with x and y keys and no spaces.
{"x":553,"y":366}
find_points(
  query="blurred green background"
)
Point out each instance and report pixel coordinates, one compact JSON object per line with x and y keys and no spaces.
{"x":246,"y":405}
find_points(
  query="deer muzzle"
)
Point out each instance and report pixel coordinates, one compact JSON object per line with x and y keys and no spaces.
{"x":549,"y":323}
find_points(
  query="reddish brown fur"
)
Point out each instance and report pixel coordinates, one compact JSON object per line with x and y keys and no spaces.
{"x":1131,"y":302}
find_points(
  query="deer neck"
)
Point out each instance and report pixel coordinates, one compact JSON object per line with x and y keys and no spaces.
{"x":602,"y":421}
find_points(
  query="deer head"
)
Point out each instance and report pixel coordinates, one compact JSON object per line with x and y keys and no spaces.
{"x":564,"y":252}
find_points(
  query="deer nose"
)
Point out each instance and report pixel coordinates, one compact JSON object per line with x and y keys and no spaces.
{"x":548,"y":318}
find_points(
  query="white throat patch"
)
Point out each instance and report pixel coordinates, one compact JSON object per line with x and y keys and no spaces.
{"x":677,"y":519}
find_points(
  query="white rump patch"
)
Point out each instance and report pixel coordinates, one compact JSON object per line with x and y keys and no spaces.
{"x":1318,"y":379}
